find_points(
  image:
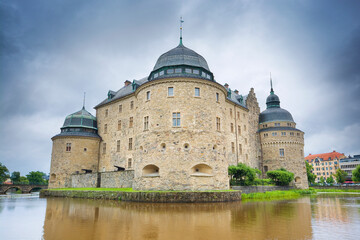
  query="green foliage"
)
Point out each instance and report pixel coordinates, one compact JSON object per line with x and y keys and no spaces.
{"x":24,"y":180}
{"x":36,"y":177}
{"x":243,"y":174}
{"x":356,"y":174}
{"x":340,"y":176}
{"x":311,"y":177}
{"x":4,"y":173}
{"x":322,"y":180}
{"x":15,"y":177}
{"x":330,"y":180}
{"x":281,"y":177}
{"x":265,"y":182}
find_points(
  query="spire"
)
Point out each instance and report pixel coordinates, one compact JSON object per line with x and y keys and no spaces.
{"x":84,"y":101}
{"x":181,"y":22}
{"x":272,"y":90}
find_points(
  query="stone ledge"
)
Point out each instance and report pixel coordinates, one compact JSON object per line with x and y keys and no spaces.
{"x":153,"y":197}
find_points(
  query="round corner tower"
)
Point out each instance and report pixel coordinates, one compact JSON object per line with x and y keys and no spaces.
{"x":75,"y":149}
{"x":282,"y":144}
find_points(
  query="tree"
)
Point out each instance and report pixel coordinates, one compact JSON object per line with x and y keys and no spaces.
{"x":330,"y":180}
{"x":4,"y":173}
{"x":311,"y":177}
{"x":281,"y":177}
{"x":340,"y":176}
{"x":322,"y":180}
{"x":356,"y":174}
{"x":243,"y":173}
{"x":24,"y":180}
{"x":15,"y":177}
{"x":36,"y":177}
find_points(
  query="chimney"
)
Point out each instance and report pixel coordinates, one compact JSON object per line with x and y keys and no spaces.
{"x":226,"y":85}
{"x":236,"y":91}
{"x":127,"y":83}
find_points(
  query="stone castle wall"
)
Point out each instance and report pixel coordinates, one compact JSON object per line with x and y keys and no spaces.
{"x":84,"y":180}
{"x":293,"y":159}
{"x":120,"y":179}
{"x":84,"y":154}
{"x":176,"y":151}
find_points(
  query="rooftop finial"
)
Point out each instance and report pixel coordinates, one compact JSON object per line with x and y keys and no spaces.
{"x":181,"y":22}
{"x":271,"y":91}
{"x":84,"y":101}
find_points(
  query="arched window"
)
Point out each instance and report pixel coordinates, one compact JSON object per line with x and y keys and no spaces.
{"x":201,"y":170}
{"x":150,"y":171}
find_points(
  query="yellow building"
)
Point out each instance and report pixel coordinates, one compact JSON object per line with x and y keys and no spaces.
{"x":324,"y":164}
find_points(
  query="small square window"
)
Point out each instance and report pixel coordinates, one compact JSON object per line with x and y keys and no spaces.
{"x":217,"y":97}
{"x":170,"y":91}
{"x":176,"y":119}
{"x":197,"y":92}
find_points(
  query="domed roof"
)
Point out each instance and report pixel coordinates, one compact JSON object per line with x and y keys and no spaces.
{"x":80,"y":118}
{"x":181,"y":55}
{"x":275,"y":114}
{"x":273,"y":110}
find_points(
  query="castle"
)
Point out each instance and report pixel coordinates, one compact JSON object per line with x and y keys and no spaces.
{"x":177,"y":129}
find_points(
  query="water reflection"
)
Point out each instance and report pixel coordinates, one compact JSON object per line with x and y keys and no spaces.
{"x":94,"y":219}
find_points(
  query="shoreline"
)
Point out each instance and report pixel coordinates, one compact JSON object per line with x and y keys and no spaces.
{"x":147,"y":196}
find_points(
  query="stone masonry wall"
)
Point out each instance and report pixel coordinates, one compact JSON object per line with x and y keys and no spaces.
{"x":293,"y":159}
{"x":85,"y":180}
{"x":120,"y":179}
{"x":83,"y":155}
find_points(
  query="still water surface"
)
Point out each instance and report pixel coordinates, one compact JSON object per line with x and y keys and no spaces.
{"x":322,"y":217}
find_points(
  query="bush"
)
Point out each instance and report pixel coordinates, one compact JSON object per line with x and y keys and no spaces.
{"x":281,"y":177}
{"x":340,"y":175}
{"x":242,"y":174}
{"x":356,"y":174}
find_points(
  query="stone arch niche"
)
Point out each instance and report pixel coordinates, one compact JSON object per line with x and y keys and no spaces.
{"x":201,"y":170}
{"x":150,"y":170}
{"x":53,"y":177}
{"x":297,"y":180}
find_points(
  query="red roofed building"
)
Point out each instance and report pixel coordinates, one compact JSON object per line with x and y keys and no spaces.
{"x":324,"y":164}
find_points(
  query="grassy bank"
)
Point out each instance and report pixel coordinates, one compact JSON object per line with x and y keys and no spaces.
{"x":276,"y":194}
{"x":337,"y":190}
{"x":127,"y":190}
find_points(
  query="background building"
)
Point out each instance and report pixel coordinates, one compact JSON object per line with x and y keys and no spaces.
{"x":349,"y":164}
{"x":324,"y":164}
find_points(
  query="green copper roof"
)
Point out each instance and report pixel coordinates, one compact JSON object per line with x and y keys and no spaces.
{"x":82,"y":119}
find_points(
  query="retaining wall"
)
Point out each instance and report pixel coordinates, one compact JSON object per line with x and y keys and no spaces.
{"x":84,"y":180}
{"x":260,"y":188}
{"x":120,"y":179}
{"x":153,"y":197}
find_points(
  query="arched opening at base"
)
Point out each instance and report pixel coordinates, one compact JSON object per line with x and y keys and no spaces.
{"x":150,"y":171}
{"x":297,"y":180}
{"x":201,"y":170}
{"x":13,"y":190}
{"x":36,"y":189}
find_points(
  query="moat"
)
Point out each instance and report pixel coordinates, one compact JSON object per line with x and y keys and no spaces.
{"x":325,"y":216}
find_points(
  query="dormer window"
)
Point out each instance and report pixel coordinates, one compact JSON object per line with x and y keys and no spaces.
{"x":161,"y":73}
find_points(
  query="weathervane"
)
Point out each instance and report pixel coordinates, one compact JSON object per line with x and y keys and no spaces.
{"x":84,"y":101}
{"x":271,"y":84}
{"x":181,"y":22}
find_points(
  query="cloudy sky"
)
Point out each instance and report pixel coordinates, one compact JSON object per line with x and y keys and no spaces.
{"x":53,"y":51}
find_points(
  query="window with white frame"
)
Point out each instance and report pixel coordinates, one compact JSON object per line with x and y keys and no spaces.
{"x":176,"y":119}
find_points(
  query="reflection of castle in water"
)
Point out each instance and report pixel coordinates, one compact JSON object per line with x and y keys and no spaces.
{"x":89,"y":219}
{"x":329,"y":209}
